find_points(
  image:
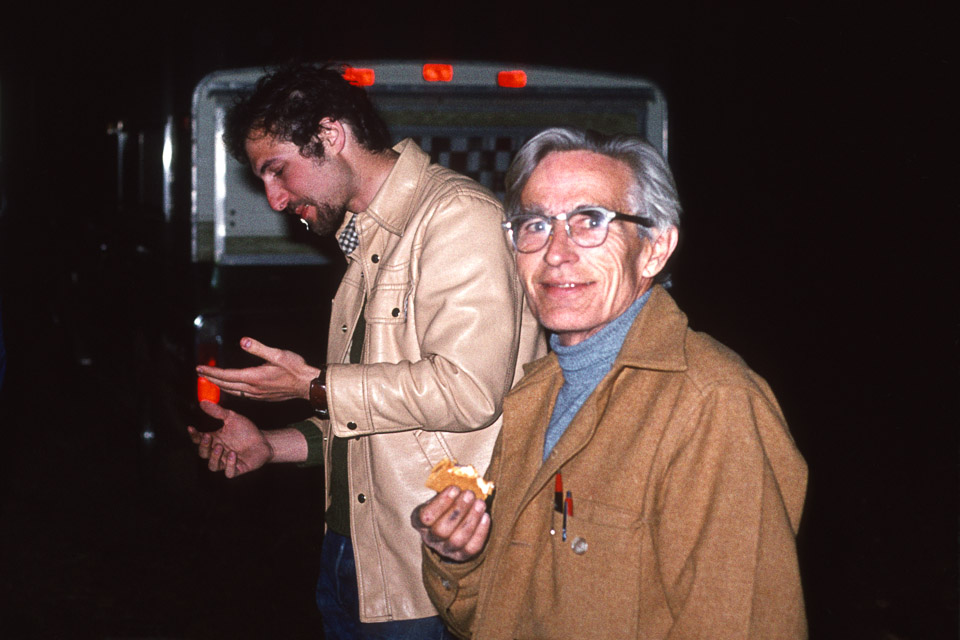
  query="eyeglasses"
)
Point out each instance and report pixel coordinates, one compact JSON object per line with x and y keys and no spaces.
{"x":586,"y":227}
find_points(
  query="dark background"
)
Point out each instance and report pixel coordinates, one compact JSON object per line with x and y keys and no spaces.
{"x":811,"y":147}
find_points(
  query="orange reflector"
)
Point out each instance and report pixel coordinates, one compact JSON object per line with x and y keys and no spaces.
{"x":513,"y":79}
{"x":438,"y":72}
{"x":206,"y":390}
{"x":359,"y":77}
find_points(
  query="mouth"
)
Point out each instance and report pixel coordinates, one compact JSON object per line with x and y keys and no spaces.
{"x":301,"y":211}
{"x":564,"y":287}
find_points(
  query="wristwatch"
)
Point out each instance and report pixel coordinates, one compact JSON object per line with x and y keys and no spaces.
{"x":318,"y":394}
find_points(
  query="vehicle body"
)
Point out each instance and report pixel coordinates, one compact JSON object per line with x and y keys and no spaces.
{"x":229,"y":266}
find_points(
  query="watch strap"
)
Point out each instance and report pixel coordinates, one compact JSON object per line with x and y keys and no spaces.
{"x":318,"y":394}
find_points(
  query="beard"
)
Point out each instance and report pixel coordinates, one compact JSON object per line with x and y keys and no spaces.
{"x":327,"y":220}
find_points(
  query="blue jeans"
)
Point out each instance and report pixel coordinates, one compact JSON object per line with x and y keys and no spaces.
{"x":339,"y":604}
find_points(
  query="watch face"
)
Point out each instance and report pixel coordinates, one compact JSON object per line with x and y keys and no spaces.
{"x":318,"y":392}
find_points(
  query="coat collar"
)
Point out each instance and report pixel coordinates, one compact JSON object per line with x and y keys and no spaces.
{"x":395,"y":201}
{"x":655,"y":342}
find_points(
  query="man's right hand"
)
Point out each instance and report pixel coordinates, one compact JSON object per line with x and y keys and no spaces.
{"x":454,"y":524}
{"x":235,"y":448}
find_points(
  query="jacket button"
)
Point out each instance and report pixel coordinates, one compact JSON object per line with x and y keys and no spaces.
{"x":445,"y":583}
{"x":351,"y":425}
{"x":374,"y":258}
{"x":395,"y":312}
{"x":579,"y":546}
{"x":343,"y":328}
{"x":361,"y":498}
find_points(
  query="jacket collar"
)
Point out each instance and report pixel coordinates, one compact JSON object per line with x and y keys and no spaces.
{"x":656,"y":339}
{"x":655,"y":342}
{"x":395,"y":201}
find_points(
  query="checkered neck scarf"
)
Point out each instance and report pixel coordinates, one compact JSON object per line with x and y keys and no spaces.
{"x":349,"y":239}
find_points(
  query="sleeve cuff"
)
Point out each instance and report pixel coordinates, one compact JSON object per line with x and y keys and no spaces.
{"x":314,"y":437}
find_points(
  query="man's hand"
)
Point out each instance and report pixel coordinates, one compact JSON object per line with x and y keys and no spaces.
{"x":284,"y":376}
{"x":235,"y":448}
{"x":454,"y":524}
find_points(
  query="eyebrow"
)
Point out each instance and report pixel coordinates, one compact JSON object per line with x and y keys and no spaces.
{"x":537,"y":210}
{"x":266,"y":165}
{"x":534,"y":210}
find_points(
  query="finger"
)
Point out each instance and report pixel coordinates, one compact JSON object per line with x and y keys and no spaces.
{"x":231,"y":467}
{"x":237,"y":391}
{"x":433,"y":510}
{"x":467,"y":527}
{"x":479,"y":537}
{"x":204,"y":449}
{"x":261,"y":350}
{"x":222,"y":377}
{"x":447,"y":524}
{"x":216,"y":453}
{"x":195,"y":435}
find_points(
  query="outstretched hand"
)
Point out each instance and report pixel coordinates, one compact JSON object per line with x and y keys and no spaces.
{"x":284,"y":376}
{"x":454,"y":523}
{"x":235,"y":448}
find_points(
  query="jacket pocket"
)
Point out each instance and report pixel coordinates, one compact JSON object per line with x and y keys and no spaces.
{"x":589,"y":584}
{"x":387,"y":303}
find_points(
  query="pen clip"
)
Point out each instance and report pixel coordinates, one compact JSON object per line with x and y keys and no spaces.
{"x":567,"y":511}
{"x":558,"y":493}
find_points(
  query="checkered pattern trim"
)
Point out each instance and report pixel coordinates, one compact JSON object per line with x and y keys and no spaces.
{"x":349,"y":239}
{"x":483,"y":158}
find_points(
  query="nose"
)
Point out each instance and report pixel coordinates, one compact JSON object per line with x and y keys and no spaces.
{"x":276,"y":196}
{"x":560,"y":248}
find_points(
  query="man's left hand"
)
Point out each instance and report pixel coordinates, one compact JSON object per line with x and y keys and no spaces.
{"x":284,"y":376}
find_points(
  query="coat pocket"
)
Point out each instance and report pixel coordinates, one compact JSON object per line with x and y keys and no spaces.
{"x":589,"y":583}
{"x":388,"y":303}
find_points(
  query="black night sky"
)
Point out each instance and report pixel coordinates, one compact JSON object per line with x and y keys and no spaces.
{"x":810,"y":150}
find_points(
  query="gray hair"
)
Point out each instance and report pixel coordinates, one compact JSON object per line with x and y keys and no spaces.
{"x":654,"y":194}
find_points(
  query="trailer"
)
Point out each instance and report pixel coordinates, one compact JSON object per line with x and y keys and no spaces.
{"x":234,"y":267}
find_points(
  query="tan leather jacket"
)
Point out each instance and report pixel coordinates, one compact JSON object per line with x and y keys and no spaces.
{"x":443,"y":316}
{"x":686,"y":492}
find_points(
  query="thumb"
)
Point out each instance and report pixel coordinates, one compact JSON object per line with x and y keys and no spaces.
{"x":260,"y":350}
{"x":213,"y":410}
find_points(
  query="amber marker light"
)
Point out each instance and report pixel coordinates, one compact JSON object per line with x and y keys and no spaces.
{"x":438,"y":72}
{"x":512,"y":79}
{"x":206,"y":390}
{"x":359,"y":77}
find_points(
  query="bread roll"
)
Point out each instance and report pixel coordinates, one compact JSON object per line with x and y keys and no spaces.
{"x":465,"y":478}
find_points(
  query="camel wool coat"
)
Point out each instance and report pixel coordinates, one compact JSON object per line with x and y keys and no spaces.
{"x":686,"y":492}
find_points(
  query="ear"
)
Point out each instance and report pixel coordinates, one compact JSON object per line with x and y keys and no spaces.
{"x":333,"y":135}
{"x":661,"y":248}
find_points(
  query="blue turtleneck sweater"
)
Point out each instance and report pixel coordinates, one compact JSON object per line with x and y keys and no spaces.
{"x":584,"y":365}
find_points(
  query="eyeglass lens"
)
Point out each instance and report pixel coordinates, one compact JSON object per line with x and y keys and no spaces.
{"x":586,"y":229}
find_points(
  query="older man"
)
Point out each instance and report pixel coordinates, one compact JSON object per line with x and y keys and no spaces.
{"x":646,"y":483}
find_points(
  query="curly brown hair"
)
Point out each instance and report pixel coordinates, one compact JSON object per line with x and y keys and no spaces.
{"x":289,"y":103}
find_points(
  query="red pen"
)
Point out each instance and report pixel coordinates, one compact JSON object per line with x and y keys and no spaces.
{"x":558,"y":493}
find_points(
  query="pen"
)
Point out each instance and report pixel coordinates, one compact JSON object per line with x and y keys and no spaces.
{"x":567,"y":511}
{"x":558,"y":493}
